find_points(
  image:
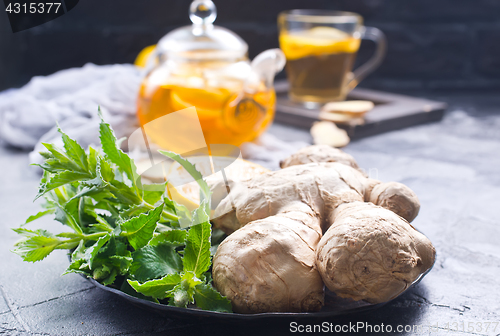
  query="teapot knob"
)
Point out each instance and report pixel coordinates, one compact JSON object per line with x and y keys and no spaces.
{"x":202,"y":12}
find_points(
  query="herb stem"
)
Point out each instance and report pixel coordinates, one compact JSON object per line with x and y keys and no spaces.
{"x":73,"y":242}
{"x":165,"y":214}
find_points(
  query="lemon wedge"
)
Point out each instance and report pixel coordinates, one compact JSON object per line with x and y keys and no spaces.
{"x":143,"y":57}
{"x":317,"y":41}
{"x":206,"y":100}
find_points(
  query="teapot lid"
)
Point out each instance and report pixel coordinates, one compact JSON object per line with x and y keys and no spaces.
{"x":202,"y":40}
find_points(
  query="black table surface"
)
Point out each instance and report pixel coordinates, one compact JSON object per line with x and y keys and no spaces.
{"x":453,"y":166}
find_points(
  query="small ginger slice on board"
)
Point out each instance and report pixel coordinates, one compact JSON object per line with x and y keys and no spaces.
{"x":340,"y":118}
{"x":351,"y":111}
{"x":327,"y":133}
{"x":355,"y":108}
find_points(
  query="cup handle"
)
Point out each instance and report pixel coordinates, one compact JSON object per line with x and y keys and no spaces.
{"x":375,"y":35}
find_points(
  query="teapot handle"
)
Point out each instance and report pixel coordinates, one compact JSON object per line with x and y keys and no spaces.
{"x":267,"y":64}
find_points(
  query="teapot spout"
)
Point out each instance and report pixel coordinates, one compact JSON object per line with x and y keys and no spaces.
{"x":267,"y":64}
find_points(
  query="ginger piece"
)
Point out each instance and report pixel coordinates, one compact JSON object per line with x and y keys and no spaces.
{"x":353,"y":108}
{"x":319,"y":153}
{"x":339,"y":118}
{"x":369,"y":253}
{"x":270,"y":265}
{"x":311,"y":199}
{"x":327,"y":133}
{"x":396,"y":197}
{"x":350,"y":112}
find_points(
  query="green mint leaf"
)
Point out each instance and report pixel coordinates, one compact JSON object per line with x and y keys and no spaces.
{"x":114,"y":153}
{"x":66,"y":211}
{"x":153,"y":196}
{"x":121,"y":263}
{"x":206,"y":277}
{"x":78,"y":267}
{"x":207,"y":298}
{"x":39,"y":215}
{"x":124,"y":193}
{"x":35,"y":245}
{"x":115,"y":256}
{"x":61,"y":179}
{"x":139,"y":230}
{"x":79,"y":252}
{"x":197,"y":252}
{"x":173,"y":237}
{"x":82,"y":204}
{"x":74,"y":151}
{"x":57,"y":153}
{"x":52,"y":166}
{"x":92,"y":251}
{"x":65,"y":216}
{"x":104,"y":274}
{"x":104,"y":170}
{"x":110,"y":278}
{"x":115,"y":247}
{"x":92,"y":160}
{"x":96,"y":182}
{"x":134,"y":210}
{"x":95,"y":192}
{"x":46,"y":155}
{"x":78,"y":263}
{"x":102,"y":223}
{"x":31,"y":233}
{"x":61,"y":160}
{"x":158,"y":289}
{"x":153,"y":262}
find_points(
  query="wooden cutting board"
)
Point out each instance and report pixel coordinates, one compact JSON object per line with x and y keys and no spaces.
{"x":391,"y":112}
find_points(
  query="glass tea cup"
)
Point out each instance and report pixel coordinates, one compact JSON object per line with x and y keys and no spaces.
{"x":320,"y":47}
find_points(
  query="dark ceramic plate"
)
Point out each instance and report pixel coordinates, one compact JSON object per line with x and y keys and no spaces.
{"x":334,"y":306}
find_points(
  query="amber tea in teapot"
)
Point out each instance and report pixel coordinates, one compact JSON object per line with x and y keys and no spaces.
{"x":206,"y":66}
{"x":228,"y":112}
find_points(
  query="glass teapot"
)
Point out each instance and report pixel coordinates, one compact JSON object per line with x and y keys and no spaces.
{"x":207,"y":67}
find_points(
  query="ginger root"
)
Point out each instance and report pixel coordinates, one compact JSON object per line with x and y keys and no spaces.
{"x":327,"y":133}
{"x":370,"y":253}
{"x":319,"y":153}
{"x":396,"y":197}
{"x":270,"y":265}
{"x":311,"y":221}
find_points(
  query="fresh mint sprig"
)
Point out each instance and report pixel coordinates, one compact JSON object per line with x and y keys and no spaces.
{"x":123,"y":233}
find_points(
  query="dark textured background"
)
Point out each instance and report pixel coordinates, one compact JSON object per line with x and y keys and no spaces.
{"x":433,"y":44}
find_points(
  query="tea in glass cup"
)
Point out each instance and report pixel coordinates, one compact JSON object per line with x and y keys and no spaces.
{"x":320,"y":48}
